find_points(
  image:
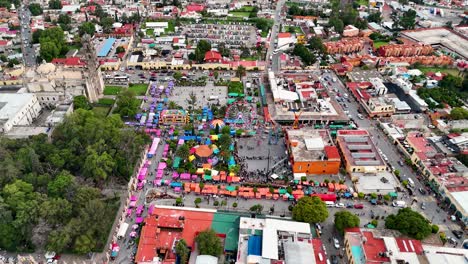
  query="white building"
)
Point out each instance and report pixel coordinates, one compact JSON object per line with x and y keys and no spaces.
{"x":18,"y":110}
{"x":158,"y":27}
{"x":286,"y":40}
{"x":379,"y":87}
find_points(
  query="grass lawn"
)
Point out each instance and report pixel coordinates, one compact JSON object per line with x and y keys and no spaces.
{"x":297,"y":30}
{"x":139,"y":89}
{"x":112,"y":90}
{"x":101,"y":111}
{"x":378,"y":44}
{"x":240,"y":14}
{"x":451,"y":71}
{"x":170,"y":27}
{"x":264,"y":34}
{"x":150,"y":32}
{"x":106,"y":101}
{"x":363,"y":2}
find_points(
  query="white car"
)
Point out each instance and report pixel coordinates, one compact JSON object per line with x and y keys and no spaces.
{"x":336,"y":243}
{"x":340,"y":205}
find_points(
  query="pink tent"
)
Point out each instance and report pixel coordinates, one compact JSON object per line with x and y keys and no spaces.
{"x":151,"y":209}
{"x":166,"y":147}
{"x":194,"y":176}
{"x":177,"y":189}
{"x":132,"y":204}
{"x":193,"y":150}
{"x":175,"y":175}
{"x":140,"y":185}
{"x":133,"y":198}
{"x":157,"y":182}
{"x":181,"y":141}
{"x":139,"y":220}
{"x":162,"y":165}
{"x":129,"y":212}
{"x":139,"y":210}
{"x":185,"y":176}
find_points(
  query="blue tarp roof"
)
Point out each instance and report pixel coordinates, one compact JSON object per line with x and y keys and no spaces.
{"x":255,"y":246}
{"x":106,"y":47}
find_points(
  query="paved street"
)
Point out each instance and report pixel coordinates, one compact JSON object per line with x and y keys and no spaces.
{"x":29,"y":54}
{"x":273,"y":36}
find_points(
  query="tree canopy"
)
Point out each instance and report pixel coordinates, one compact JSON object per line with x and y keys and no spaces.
{"x":345,"y":219}
{"x":55,"y":4}
{"x":306,"y":56}
{"x":310,"y":210}
{"x":203,"y":46}
{"x":459,"y":113}
{"x":53,"y":43}
{"x":208,"y":243}
{"x":35,"y":9}
{"x":127,"y":104}
{"x":48,"y":198}
{"x":408,"y":19}
{"x":182,"y":251}
{"x":410,"y":223}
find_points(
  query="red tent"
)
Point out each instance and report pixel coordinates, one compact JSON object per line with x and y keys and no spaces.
{"x":330,"y":197}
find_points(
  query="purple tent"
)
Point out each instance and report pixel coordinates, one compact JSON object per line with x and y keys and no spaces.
{"x":133,"y":198}
{"x":162,"y":165}
{"x":139,"y":220}
{"x":185,"y":176}
{"x":194,"y":176}
{"x":175,"y":175}
{"x":177,"y":189}
{"x":132,"y":204}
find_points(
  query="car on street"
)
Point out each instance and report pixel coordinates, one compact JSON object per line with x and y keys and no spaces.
{"x":458,"y":233}
{"x":360,"y":116}
{"x":422,"y":191}
{"x":340,"y":205}
{"x":423,"y":206}
{"x":358,"y":206}
{"x":400,"y":163}
{"x":319,"y":228}
{"x":336,"y":243}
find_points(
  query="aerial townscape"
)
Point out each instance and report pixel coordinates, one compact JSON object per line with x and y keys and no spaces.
{"x":233,"y":132}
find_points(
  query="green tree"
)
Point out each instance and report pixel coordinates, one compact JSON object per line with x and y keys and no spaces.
{"x":120,"y":49}
{"x":87,"y":28}
{"x":127,"y":104}
{"x":209,"y":243}
{"x":408,"y":19}
{"x":106,"y":24}
{"x":36,"y":35}
{"x":397,"y":172}
{"x":81,"y":102}
{"x":198,"y":200}
{"x":49,"y":51}
{"x":315,"y":43}
{"x":226,"y":130}
{"x":183,"y":152}
{"x":98,"y":165}
{"x":64,"y":19}
{"x":35,"y":9}
{"x":182,"y":251}
{"x":310,"y":210}
{"x":84,"y":244}
{"x":263,"y":24}
{"x":459,"y":113}
{"x":345,"y":219}
{"x":62,"y":185}
{"x":258,"y":208}
{"x":375,"y":17}
{"x":55,"y":4}
{"x":337,"y":24}
{"x":305,"y":55}
{"x":240,"y":71}
{"x":56,"y":211}
{"x":203,"y":46}
{"x":224,"y":142}
{"x":410,"y":223}
{"x":435,"y":229}
{"x":177,"y":75}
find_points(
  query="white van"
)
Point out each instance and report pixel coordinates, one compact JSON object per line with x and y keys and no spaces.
{"x":410,"y":182}
{"x":329,"y":204}
{"x":399,"y":204}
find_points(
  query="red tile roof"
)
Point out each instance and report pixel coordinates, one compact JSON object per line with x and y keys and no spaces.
{"x":195,"y":8}
{"x":318,"y":250}
{"x":153,"y":236}
{"x":212,"y":56}
{"x":73,"y":61}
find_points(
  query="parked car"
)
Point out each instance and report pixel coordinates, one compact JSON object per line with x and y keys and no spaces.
{"x":422,"y":191}
{"x":401,"y":163}
{"x":319,"y":228}
{"x":359,"y":206}
{"x":423,"y":206}
{"x":336,"y":243}
{"x":340,"y":205}
{"x":458,"y":233}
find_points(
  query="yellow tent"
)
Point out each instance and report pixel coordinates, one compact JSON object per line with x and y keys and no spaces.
{"x":191,"y":157}
{"x":200,"y":171}
{"x":214,"y":137}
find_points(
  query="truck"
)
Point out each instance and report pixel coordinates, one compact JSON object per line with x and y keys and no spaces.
{"x":401,"y":204}
{"x":122,"y":231}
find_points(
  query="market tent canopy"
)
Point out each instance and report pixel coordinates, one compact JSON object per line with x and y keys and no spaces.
{"x":393,"y":194}
{"x":233,"y":94}
{"x":274,"y":176}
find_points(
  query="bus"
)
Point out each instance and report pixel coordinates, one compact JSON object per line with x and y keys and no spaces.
{"x":121,"y":78}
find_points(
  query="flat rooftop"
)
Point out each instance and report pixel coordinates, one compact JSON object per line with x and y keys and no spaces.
{"x":308,"y":144}
{"x":382,"y":182}
{"x":358,"y":148}
{"x":422,"y":147}
{"x":11,"y":103}
{"x":440,"y":36}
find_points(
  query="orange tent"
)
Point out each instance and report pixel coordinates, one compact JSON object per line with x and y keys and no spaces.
{"x":258,"y":195}
{"x":269,"y":196}
{"x":275,"y":196}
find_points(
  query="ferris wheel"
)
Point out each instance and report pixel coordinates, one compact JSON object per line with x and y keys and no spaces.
{"x":241,"y":114}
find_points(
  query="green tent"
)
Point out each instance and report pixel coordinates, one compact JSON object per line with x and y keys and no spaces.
{"x":207,"y":177}
{"x":282,"y":191}
{"x":231,"y":188}
{"x":241,"y":95}
{"x":230,"y":101}
{"x":370,"y":226}
{"x":393,"y":194}
{"x":152,"y":45}
{"x":176,"y":163}
{"x":249,"y":98}
{"x":233,"y":94}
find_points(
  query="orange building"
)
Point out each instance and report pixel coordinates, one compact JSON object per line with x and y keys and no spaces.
{"x":311,"y":151}
{"x":346,"y":45}
{"x":405,"y":50}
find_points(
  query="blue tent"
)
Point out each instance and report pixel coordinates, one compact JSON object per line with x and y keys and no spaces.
{"x":176,"y":184}
{"x":347,"y":195}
